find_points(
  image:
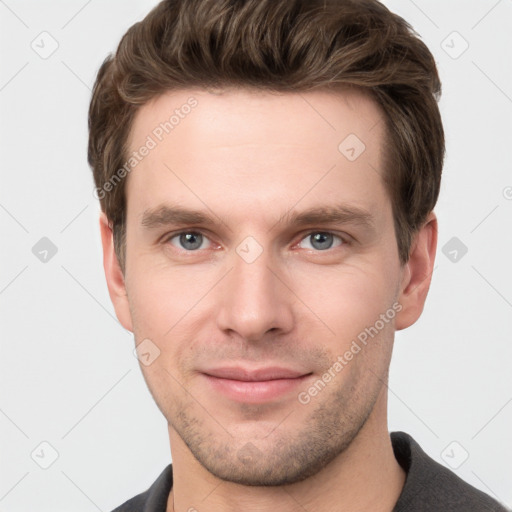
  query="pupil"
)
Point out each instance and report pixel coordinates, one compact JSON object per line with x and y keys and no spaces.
{"x":322,"y":240}
{"x":191,"y":240}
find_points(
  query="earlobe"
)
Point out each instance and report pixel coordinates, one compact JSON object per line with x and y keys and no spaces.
{"x":417,"y":274}
{"x":114,"y":275}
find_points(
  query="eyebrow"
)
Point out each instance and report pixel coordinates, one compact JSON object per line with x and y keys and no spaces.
{"x":165,"y":215}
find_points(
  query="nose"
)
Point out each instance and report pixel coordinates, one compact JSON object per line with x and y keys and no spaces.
{"x":255,"y":299}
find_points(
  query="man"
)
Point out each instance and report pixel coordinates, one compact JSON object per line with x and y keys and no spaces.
{"x":267,"y":172}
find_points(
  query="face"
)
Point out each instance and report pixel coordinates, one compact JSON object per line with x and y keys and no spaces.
{"x":262,"y":275}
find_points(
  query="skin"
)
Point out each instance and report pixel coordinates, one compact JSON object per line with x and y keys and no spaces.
{"x":248,"y":158}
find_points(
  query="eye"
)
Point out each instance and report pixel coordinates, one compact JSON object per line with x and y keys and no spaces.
{"x":188,"y":240}
{"x":192,"y":241}
{"x":321,"y":240}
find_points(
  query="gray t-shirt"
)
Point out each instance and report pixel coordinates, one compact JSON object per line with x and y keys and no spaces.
{"x":429,"y":486}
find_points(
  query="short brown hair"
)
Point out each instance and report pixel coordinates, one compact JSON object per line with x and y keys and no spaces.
{"x":284,"y":46}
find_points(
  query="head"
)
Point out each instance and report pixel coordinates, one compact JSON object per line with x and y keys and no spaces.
{"x":280,"y":215}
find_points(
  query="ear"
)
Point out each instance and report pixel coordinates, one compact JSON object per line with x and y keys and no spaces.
{"x":114,"y":275}
{"x":417,"y":274}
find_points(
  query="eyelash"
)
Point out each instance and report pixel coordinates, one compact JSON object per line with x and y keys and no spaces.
{"x":344,"y":239}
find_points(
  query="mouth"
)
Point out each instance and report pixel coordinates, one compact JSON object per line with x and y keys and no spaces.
{"x":255,"y":386}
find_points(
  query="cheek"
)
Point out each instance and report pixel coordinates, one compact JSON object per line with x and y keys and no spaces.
{"x":346,"y":299}
{"x":164,"y":301}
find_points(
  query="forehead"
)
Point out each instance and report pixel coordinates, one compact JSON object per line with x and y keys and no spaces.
{"x":235,"y":113}
{"x":258,"y":147}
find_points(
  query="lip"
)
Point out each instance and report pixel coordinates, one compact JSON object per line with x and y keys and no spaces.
{"x":254,"y":386}
{"x":258,"y":374}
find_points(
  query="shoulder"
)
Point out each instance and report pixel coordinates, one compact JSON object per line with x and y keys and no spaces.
{"x":154,"y":499}
{"x":431,"y":486}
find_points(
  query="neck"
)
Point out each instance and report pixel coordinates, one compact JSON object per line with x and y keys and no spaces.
{"x":366,"y":476}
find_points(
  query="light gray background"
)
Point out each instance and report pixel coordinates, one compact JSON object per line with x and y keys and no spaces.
{"x":68,"y":374}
